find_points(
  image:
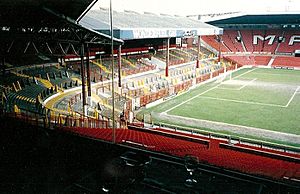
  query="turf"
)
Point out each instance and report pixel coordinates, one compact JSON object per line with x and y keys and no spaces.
{"x":262,"y":98}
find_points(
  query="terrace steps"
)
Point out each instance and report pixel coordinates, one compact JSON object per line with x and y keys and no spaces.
{"x":45,"y":82}
{"x":128,"y":63}
{"x":101,"y":66}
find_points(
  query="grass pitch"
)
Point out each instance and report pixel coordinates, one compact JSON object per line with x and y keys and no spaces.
{"x":261,"y":98}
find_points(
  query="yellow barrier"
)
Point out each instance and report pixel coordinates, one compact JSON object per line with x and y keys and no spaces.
{"x":101,"y":67}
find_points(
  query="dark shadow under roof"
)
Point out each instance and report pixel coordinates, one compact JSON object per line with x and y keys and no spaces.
{"x":269,"y":18}
{"x":46,"y":27}
{"x":44,"y":18}
{"x":69,"y":8}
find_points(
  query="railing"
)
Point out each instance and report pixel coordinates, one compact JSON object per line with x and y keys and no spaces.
{"x":51,"y":119}
{"x":231,"y":138}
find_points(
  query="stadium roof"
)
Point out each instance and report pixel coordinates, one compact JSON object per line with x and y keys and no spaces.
{"x":280,"y":18}
{"x":72,"y":9}
{"x":132,"y":25}
{"x":46,"y":27}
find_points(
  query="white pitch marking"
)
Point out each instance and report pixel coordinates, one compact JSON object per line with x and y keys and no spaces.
{"x":291,"y":99}
{"x":278,"y":74}
{"x":244,"y":73}
{"x":240,"y":88}
{"x":244,"y":102}
{"x":191,"y":98}
{"x":202,"y":93}
{"x":232,"y":89}
{"x":247,"y":83}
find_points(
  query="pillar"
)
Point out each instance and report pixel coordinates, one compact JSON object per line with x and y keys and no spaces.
{"x":167,"y":57}
{"x":198,"y":51}
{"x":3,"y":64}
{"x":119,"y":65}
{"x":88,"y":71}
{"x":84,"y":107}
{"x":219,"y":56}
{"x":61,"y":58}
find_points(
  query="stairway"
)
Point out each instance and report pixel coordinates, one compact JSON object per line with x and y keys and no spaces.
{"x":101,"y":67}
{"x":271,"y":61}
{"x":243,"y":45}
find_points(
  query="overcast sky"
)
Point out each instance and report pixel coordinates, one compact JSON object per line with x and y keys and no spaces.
{"x":191,"y":7}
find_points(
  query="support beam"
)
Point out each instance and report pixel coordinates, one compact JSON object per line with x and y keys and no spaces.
{"x":3,"y":64}
{"x":112,"y":72}
{"x":84,"y":108}
{"x":198,"y":51}
{"x":60,"y":61}
{"x":88,"y":70}
{"x":220,"y":42}
{"x":10,"y":46}
{"x":26,"y":48}
{"x":167,"y":57}
{"x":119,"y":65}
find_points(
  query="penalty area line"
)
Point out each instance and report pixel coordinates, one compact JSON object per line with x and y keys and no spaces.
{"x":291,"y":99}
{"x":237,"y":89}
{"x":203,"y":93}
{"x":243,"y":102}
{"x":248,"y":83}
{"x":244,"y":73}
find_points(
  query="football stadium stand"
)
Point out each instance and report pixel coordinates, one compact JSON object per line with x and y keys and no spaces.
{"x":215,"y":43}
{"x":213,"y":151}
{"x":256,"y":35}
{"x":155,"y":58}
{"x":288,"y":45}
{"x":230,"y":38}
{"x":286,"y":61}
{"x":249,"y":60}
{"x":256,"y":41}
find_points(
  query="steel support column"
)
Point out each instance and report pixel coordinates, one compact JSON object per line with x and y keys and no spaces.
{"x":88,"y":70}
{"x":167,"y":57}
{"x":112,"y":72}
{"x":119,"y":65}
{"x":198,"y":51}
{"x":219,"y":56}
{"x":61,"y":61}
{"x":3,"y":64}
{"x":83,"y":80}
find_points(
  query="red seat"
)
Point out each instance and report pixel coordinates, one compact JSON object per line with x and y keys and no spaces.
{"x":178,"y":144}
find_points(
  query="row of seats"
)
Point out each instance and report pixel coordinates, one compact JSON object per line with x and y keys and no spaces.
{"x":272,"y":151}
{"x":284,"y":46}
{"x":249,"y":60}
{"x":279,"y":61}
{"x":177,"y":78}
{"x":174,"y":59}
{"x":41,"y":70}
{"x":213,"y":42}
{"x":179,"y":144}
{"x":26,"y":89}
{"x":151,"y":88}
{"x":183,"y":55}
{"x":204,"y":52}
{"x":261,"y":46}
{"x":25,"y":98}
{"x":8,"y":78}
{"x":232,"y":41}
{"x":146,"y":140}
{"x":286,"y":61}
{"x":128,"y":67}
{"x":60,"y":76}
